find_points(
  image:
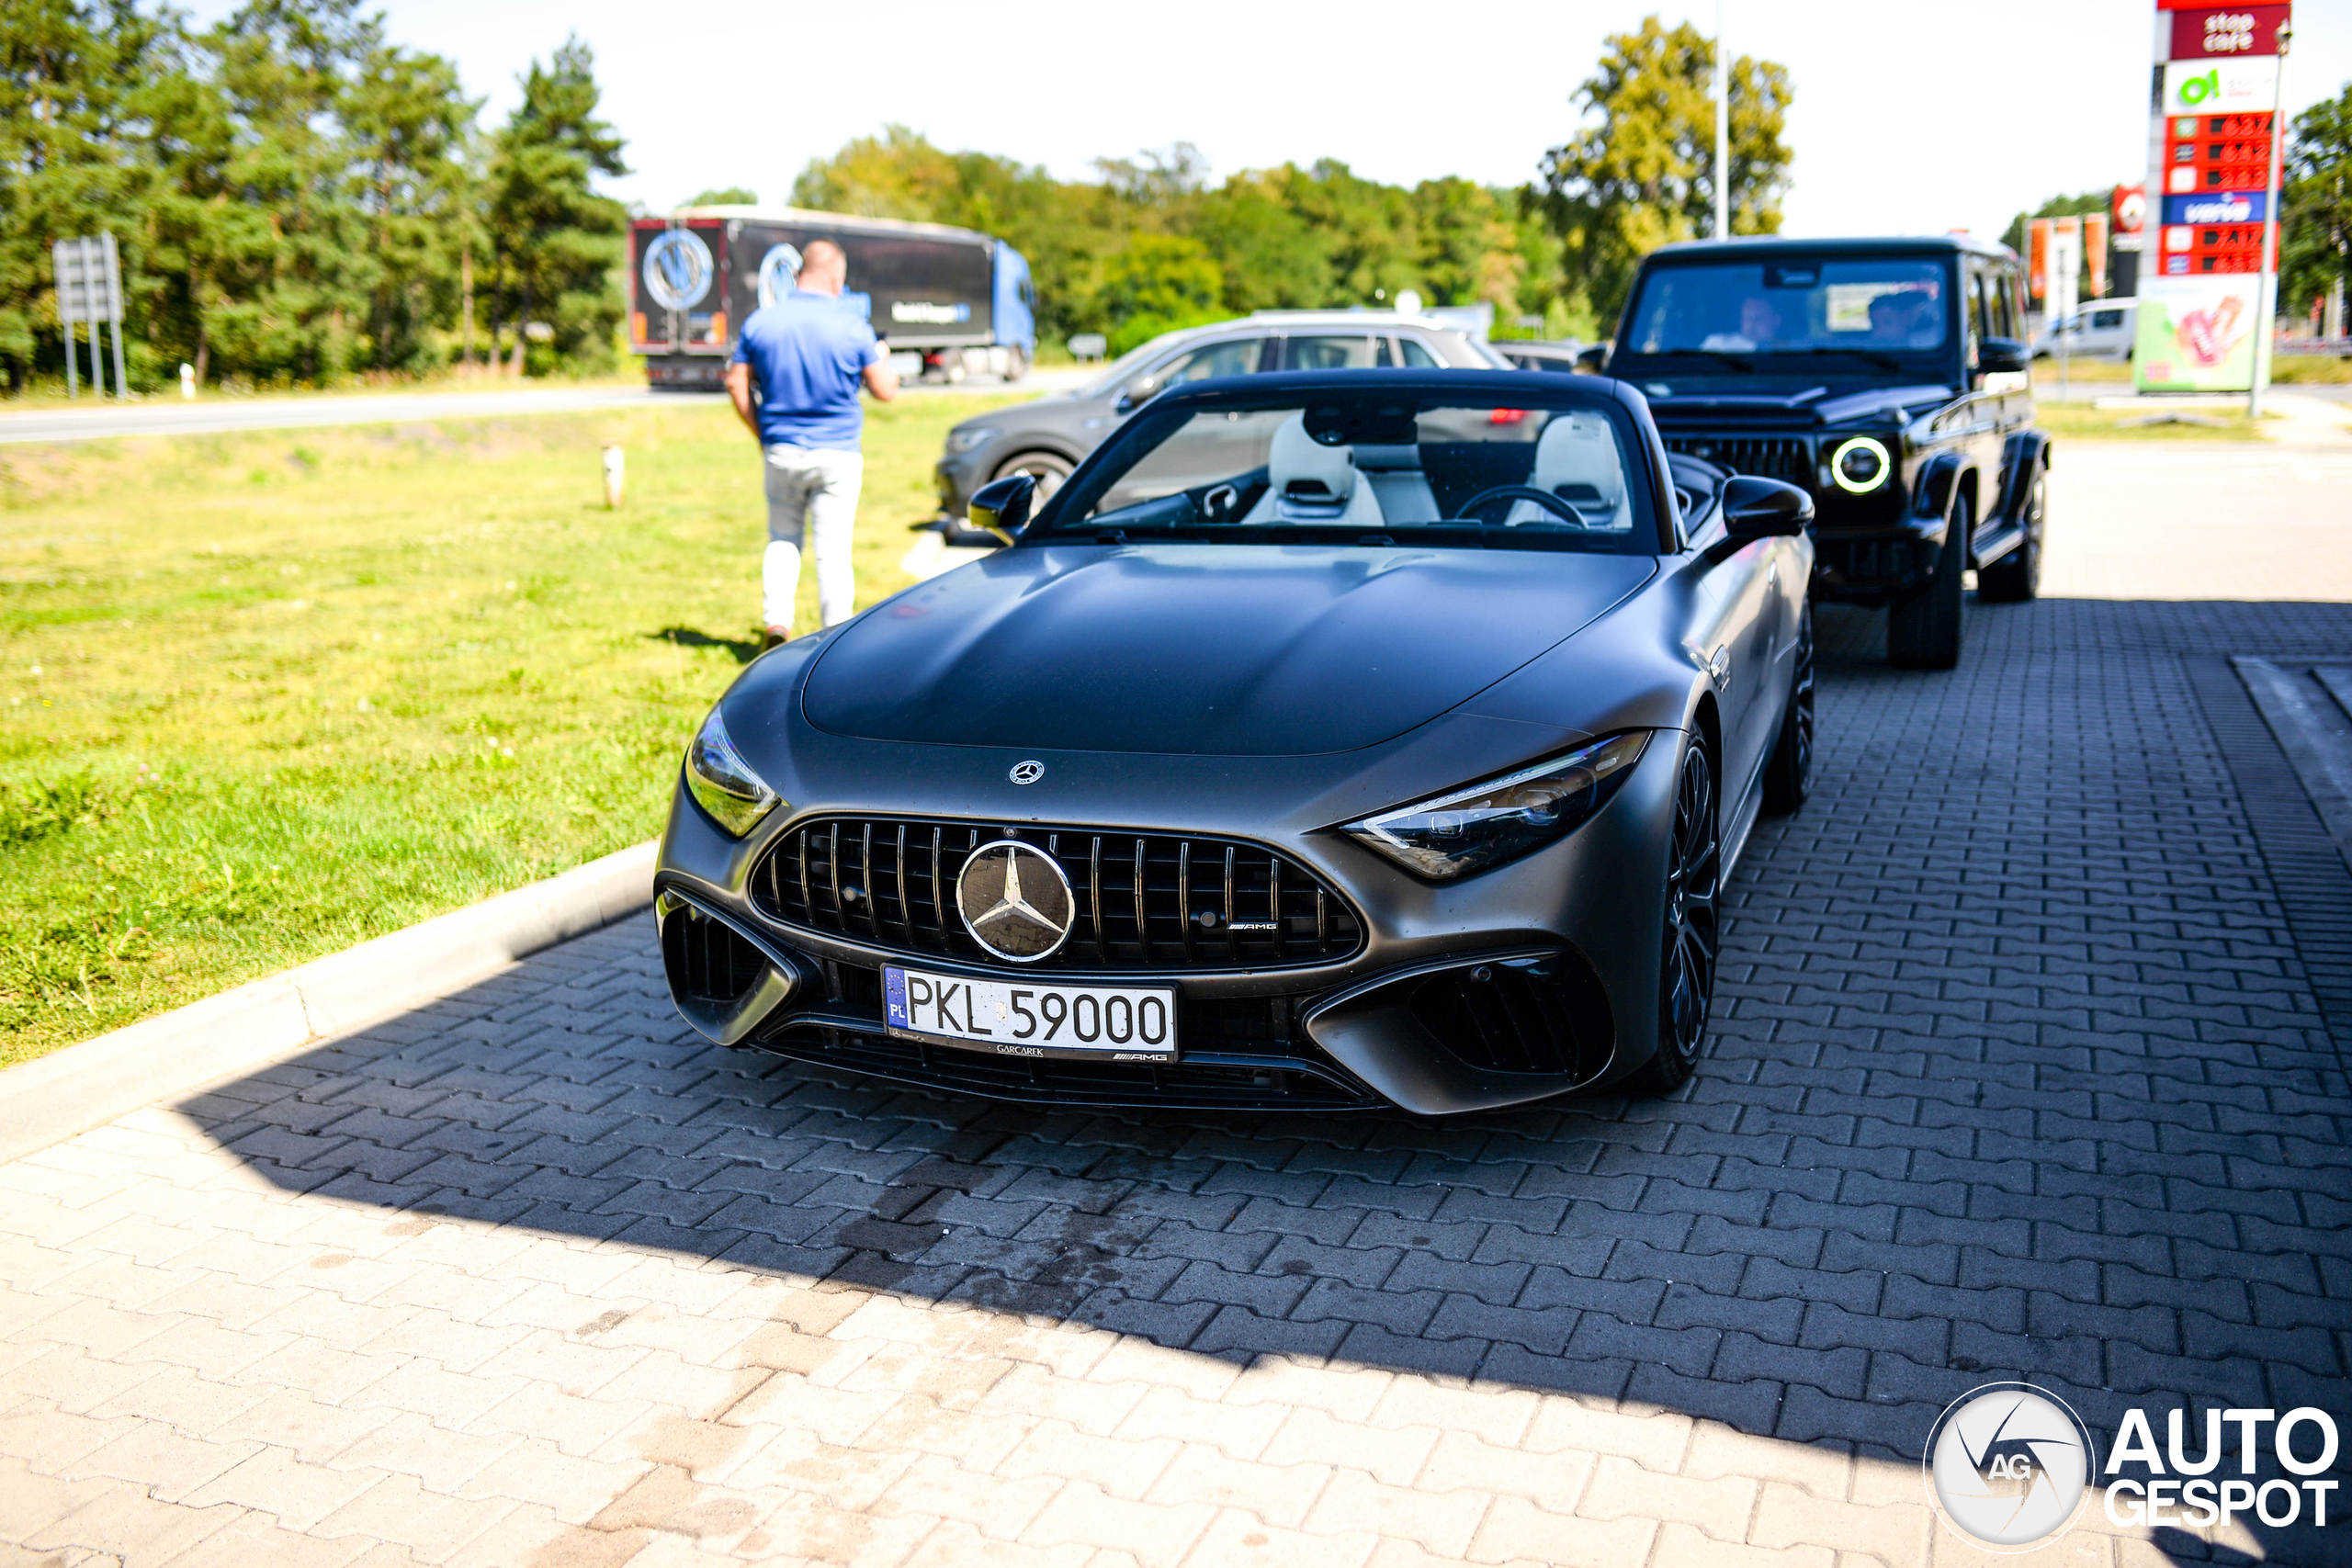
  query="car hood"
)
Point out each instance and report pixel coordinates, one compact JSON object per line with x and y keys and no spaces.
{"x":1808,"y":407}
{"x":1202,"y":649}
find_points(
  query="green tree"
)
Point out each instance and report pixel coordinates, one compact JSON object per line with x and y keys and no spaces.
{"x":724,"y":196}
{"x":2315,"y":207}
{"x":407,"y":125}
{"x":1158,"y":282}
{"x":1639,"y":171}
{"x":73,"y":153}
{"x":556,"y":241}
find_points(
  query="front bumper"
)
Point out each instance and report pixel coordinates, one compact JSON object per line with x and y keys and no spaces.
{"x":1876,"y":565}
{"x":1529,"y":980}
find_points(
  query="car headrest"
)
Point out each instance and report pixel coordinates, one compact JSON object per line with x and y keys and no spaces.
{"x":1579,"y":450}
{"x":1296,"y":464}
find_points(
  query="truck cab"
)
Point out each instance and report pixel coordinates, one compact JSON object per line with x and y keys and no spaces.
{"x":1886,"y":377}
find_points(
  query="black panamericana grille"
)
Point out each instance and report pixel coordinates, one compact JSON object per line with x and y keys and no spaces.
{"x":1786,"y":457}
{"x":1143,"y":900}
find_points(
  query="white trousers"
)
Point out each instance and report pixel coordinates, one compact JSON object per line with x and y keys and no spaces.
{"x":810,"y":493}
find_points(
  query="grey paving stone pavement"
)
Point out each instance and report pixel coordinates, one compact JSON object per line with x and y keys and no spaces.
{"x":2018,"y":1074}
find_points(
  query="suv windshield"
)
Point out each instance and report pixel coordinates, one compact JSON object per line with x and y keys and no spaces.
{"x":1394,"y":466}
{"x":1893,"y":312}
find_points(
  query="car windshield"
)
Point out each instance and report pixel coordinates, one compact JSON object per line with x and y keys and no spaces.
{"x":1888,"y":310}
{"x":1375,"y":466}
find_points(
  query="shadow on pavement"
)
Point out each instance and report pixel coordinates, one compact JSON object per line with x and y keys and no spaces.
{"x":2016,"y":1075}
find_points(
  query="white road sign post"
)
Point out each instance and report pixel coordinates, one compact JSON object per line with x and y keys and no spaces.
{"x":89,"y":289}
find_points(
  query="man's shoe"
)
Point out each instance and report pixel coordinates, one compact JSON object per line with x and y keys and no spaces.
{"x":777,"y":636}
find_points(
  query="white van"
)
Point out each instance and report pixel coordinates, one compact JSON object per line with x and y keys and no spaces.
{"x":2103,"y":329}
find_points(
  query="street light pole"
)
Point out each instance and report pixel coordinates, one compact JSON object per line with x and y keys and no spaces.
{"x":2265,"y":288}
{"x":1723,"y":133}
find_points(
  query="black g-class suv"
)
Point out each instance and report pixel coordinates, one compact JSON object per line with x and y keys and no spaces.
{"x":1888,"y":378}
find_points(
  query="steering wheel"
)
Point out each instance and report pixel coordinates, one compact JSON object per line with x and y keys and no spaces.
{"x":1566,"y":512}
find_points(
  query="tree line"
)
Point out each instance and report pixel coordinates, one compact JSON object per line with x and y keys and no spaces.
{"x":295,"y":200}
{"x":1150,"y":243}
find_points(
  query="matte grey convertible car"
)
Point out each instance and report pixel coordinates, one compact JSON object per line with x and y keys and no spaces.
{"x":1330,"y":740}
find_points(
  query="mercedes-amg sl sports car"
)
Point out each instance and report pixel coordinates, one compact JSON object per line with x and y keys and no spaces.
{"x":1327,"y":740}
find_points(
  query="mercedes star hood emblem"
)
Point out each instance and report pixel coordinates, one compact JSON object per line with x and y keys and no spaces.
{"x":1015,"y":901}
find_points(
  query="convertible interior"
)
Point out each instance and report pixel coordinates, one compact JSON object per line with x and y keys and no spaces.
{"x":1557,"y":471}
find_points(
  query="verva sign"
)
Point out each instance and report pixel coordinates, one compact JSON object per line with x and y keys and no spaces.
{"x":2227,"y":31}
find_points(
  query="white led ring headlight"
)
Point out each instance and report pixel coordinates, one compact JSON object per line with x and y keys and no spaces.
{"x":1875,"y":461}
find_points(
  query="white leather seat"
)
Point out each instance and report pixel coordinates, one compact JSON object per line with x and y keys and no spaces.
{"x":1576,"y":459}
{"x":1310,"y":483}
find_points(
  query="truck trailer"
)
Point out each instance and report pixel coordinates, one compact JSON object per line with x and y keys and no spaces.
{"x":961,"y":300}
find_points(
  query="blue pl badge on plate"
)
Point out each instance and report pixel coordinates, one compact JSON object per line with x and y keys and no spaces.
{"x":894,"y":996}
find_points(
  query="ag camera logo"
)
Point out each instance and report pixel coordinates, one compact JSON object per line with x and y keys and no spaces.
{"x":2009,"y":1465}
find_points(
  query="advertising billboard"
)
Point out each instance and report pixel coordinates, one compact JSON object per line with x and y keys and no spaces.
{"x":2245,"y":85}
{"x":2224,"y":31}
{"x":2207,"y":197}
{"x":2198,"y":334}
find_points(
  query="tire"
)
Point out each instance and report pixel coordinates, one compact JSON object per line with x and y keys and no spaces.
{"x":1047,"y":469}
{"x":2016,"y":577}
{"x":1923,"y":631}
{"x":1692,"y":933}
{"x":1787,"y":776}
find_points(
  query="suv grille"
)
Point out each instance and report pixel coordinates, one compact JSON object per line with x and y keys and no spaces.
{"x":1143,"y":900}
{"x":1788,"y":457}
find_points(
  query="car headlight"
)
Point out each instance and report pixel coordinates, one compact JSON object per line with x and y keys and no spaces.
{"x":1485,"y":824}
{"x":1860,"y":466}
{"x":723,"y":784}
{"x":969,"y":438}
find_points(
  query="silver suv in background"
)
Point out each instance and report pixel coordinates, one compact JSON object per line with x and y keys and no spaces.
{"x":1049,"y":438}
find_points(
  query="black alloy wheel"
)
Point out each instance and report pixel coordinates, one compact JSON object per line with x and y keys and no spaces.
{"x":1788,"y":777}
{"x":1048,"y":470}
{"x":1692,"y":933}
{"x":1923,"y":631}
{"x":2016,"y":577}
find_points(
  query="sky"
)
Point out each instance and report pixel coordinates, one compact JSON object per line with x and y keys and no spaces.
{"x":1909,"y":117}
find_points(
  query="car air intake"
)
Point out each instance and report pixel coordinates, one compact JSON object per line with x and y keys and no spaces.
{"x":1543,"y":1015}
{"x":1786,"y":457}
{"x":709,"y":962}
{"x":1143,"y":900}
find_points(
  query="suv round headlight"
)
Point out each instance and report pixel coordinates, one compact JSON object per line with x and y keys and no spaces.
{"x":1861,"y":464}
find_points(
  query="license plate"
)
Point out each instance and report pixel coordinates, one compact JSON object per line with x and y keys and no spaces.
{"x":1103,"y":1023}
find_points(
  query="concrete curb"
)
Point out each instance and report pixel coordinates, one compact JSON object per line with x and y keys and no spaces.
{"x":68,"y":1091}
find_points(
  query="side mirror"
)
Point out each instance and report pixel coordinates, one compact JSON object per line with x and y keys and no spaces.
{"x":1593,"y":361}
{"x":1758,"y":508}
{"x":1995,"y":356}
{"x":1002,"y":506}
{"x":1137,"y":393}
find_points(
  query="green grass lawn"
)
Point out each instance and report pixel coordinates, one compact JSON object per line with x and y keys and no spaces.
{"x":2075,"y":422}
{"x":263,"y":697}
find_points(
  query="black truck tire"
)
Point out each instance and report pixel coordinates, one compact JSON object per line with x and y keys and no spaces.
{"x":2016,"y":577}
{"x":1923,"y":631}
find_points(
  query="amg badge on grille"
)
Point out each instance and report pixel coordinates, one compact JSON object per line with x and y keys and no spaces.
{"x":1015,"y":901}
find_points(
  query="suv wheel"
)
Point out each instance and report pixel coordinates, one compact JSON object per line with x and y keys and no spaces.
{"x":1788,"y":777}
{"x":1692,"y":930}
{"x":2016,"y":577}
{"x":1923,"y":631}
{"x":1048,"y":470}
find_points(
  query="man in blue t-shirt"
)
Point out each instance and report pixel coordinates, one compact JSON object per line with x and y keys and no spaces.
{"x":808,"y":355}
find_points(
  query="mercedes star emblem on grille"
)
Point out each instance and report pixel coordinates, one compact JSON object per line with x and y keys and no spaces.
{"x":1027,"y":772}
{"x":1015,"y":901}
